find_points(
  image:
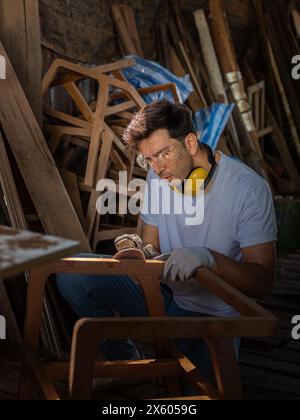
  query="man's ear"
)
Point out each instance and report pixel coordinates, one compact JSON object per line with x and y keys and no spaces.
{"x":191,"y":143}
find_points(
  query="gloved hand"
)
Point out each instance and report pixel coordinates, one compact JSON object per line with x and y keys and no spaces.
{"x":183,"y":263}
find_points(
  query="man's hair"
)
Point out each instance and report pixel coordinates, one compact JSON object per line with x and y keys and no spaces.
{"x":175,"y":118}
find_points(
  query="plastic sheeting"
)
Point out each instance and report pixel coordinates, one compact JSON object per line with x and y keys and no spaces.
{"x":148,"y":73}
{"x":209,"y":122}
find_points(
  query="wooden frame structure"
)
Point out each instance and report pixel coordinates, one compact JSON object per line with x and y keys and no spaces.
{"x":97,"y":128}
{"x":217,"y":332}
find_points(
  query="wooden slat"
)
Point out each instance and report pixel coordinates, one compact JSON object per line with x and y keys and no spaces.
{"x":35,"y":162}
{"x":20,"y":34}
{"x":213,"y":67}
{"x":129,"y":17}
{"x":123,"y":30}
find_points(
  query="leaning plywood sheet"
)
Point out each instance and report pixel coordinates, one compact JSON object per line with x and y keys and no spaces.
{"x":35,"y":162}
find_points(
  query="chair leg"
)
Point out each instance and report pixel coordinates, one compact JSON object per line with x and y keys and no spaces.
{"x":226,"y":367}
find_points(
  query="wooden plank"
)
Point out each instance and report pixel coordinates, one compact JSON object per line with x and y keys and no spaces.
{"x":71,"y":184}
{"x":20,"y":34}
{"x":123,"y":30}
{"x":9,"y":189}
{"x":213,"y":67}
{"x":35,"y":162}
{"x":232,"y":74}
{"x":129,"y":18}
{"x":296,"y":22}
{"x":181,"y":49}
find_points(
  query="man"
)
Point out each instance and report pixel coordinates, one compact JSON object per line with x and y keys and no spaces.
{"x":235,"y":239}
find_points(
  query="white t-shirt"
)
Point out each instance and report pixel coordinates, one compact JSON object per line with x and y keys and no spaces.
{"x":238,"y":213}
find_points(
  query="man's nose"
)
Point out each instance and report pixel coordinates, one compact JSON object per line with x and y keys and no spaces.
{"x":157,"y":166}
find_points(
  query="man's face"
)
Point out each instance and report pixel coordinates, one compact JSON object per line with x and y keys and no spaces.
{"x":169,"y":159}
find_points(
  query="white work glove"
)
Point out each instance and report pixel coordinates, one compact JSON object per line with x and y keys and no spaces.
{"x":183,"y":263}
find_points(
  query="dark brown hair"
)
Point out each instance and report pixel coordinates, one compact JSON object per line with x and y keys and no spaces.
{"x":175,"y":118}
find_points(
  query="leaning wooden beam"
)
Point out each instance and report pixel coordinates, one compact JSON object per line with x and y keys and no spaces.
{"x":20,"y":34}
{"x":12,"y":200}
{"x":232,"y":73}
{"x":213,"y":67}
{"x":130,"y":43}
{"x":18,"y":221}
{"x":35,"y":162}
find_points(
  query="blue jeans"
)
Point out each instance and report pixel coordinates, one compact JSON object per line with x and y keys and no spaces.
{"x":103,"y":296}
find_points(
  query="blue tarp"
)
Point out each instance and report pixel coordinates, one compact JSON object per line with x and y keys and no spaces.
{"x":209,"y":122}
{"x":147,"y":73}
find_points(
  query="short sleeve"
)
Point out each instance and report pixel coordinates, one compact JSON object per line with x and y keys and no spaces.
{"x":149,"y":213}
{"x":257,"y":220}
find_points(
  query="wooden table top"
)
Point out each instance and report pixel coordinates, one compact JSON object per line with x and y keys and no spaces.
{"x":22,"y":250}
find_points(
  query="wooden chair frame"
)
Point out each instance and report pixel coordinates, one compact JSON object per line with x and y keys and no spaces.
{"x":217,"y":332}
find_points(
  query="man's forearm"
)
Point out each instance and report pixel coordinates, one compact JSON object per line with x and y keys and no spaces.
{"x":252,"y":279}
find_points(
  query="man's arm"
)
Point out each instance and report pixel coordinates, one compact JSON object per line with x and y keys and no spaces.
{"x":254,"y":276}
{"x":150,"y":235}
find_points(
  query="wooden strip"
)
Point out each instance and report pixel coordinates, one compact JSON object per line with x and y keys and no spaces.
{"x":98,"y":126}
{"x":116,"y":109}
{"x":35,"y":162}
{"x":296,"y":21}
{"x":17,"y":218}
{"x":20,"y":34}
{"x":188,"y":63}
{"x":262,"y":26}
{"x":213,"y":67}
{"x":129,"y":18}
{"x":61,"y":116}
{"x":71,"y":184}
{"x":10,"y":191}
{"x":79,"y":100}
{"x":123,"y":30}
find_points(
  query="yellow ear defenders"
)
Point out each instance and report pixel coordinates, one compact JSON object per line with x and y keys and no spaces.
{"x":199,"y":178}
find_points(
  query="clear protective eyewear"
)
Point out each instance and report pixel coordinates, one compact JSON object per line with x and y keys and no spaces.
{"x":168,"y":154}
